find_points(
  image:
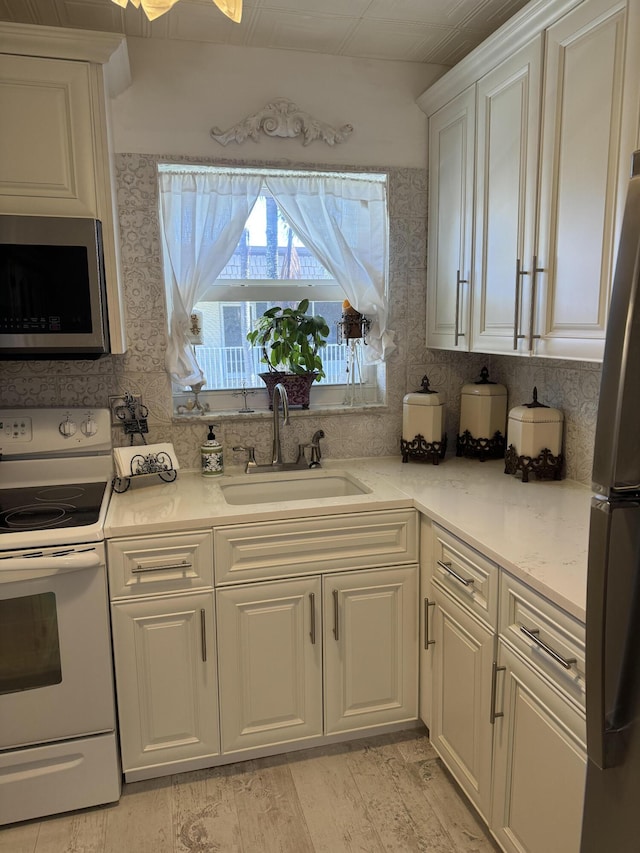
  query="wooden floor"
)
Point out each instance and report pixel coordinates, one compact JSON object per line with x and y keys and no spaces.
{"x":388,"y":793}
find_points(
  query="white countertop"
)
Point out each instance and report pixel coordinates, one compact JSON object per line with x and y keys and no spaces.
{"x":538,"y":531}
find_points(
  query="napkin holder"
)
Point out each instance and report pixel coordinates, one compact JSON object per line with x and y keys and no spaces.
{"x":144,"y":461}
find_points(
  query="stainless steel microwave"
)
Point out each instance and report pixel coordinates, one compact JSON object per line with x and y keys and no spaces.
{"x":52,"y":288}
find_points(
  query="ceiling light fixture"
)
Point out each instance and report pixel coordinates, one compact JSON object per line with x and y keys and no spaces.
{"x":154,"y":8}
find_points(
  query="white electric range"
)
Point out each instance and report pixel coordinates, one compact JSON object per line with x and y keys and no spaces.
{"x":58,"y":746}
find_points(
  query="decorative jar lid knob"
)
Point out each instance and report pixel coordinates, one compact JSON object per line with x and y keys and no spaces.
{"x":534,"y":404}
{"x":424,"y":386}
{"x":484,"y":378}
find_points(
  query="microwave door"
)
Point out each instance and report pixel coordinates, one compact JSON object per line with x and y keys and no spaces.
{"x":52,"y":293}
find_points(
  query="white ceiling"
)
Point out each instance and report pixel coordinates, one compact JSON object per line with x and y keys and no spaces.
{"x":439,"y":31}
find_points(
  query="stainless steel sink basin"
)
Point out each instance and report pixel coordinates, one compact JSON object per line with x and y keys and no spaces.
{"x":290,"y":486}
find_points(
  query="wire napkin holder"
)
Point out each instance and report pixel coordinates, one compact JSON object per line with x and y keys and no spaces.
{"x":151,"y":460}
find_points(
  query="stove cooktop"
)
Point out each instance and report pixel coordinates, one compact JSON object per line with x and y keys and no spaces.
{"x":40,"y":508}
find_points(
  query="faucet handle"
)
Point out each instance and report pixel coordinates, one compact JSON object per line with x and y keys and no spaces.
{"x":316,"y":453}
{"x":251,"y":461}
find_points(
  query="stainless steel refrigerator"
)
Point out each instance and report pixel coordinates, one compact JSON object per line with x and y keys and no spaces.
{"x":611,"y":822}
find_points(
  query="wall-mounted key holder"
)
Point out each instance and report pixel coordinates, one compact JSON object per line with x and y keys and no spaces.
{"x":133,"y":416}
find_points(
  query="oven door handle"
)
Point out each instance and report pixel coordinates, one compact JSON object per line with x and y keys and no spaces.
{"x":14,"y":569}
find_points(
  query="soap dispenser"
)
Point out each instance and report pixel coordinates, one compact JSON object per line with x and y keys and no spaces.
{"x":211,"y":455}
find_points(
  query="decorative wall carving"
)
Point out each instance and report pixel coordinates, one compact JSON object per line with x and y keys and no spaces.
{"x":285,"y":119}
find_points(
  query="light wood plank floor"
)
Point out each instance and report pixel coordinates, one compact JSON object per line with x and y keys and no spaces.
{"x":388,"y":793}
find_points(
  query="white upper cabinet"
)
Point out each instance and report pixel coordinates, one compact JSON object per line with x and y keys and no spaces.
{"x":55,"y":154}
{"x":556,"y":94}
{"x":508,"y":123}
{"x":46,"y":161}
{"x":582,"y":156}
{"x":451,"y":164}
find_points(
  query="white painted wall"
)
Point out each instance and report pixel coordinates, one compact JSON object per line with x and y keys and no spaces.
{"x":180,"y":90}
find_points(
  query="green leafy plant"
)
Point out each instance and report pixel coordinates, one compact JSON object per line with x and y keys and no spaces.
{"x":291,"y":339}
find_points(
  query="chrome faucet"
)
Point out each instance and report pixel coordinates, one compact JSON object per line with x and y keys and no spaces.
{"x":276,"y":457}
{"x":277,"y":463}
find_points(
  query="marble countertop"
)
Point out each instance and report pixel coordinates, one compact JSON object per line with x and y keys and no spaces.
{"x":538,"y":531}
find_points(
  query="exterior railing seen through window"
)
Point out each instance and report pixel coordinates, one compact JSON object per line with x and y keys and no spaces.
{"x":230,"y":367}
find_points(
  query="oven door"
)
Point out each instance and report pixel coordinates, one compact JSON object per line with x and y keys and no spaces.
{"x":55,"y":654}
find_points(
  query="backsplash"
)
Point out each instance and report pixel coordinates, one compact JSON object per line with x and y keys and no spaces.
{"x":571,"y":386}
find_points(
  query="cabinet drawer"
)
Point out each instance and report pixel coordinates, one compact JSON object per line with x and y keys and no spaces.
{"x":155,"y":564}
{"x":245,"y":552}
{"x":546,"y":636}
{"x":466,"y":575}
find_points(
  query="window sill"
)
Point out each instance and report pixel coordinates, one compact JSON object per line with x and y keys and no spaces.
{"x":266,"y":414}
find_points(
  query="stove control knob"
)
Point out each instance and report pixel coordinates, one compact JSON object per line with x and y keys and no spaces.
{"x":89,"y":427}
{"x":68,"y":428}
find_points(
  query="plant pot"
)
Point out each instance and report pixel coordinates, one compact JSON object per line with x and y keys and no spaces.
{"x":297,"y":386}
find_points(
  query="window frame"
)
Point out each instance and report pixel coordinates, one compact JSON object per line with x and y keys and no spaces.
{"x":224,"y":401}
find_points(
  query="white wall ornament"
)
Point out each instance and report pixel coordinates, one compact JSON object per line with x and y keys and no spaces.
{"x":285,"y":119}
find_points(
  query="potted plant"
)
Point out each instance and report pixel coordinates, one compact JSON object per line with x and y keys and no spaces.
{"x":291,"y":341}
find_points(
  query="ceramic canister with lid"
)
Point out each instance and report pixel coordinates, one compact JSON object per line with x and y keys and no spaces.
{"x":534,"y":439}
{"x":423,"y":424}
{"x":534,"y":427}
{"x":483,"y":418}
{"x":423,"y":414}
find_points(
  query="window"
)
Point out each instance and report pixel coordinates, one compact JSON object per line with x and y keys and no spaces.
{"x":237,"y":241}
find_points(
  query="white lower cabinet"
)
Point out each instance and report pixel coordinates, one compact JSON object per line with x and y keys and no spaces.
{"x":311,"y":629}
{"x":506,"y":709}
{"x":370,"y":648}
{"x":461,"y":730}
{"x":539,"y":762}
{"x":426,"y":642}
{"x":271,"y":637}
{"x":165,"y":663}
{"x":270,"y":640}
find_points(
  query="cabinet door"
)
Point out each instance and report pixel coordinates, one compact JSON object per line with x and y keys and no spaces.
{"x":508,"y":121}
{"x":47,"y":164}
{"x":165,"y":662}
{"x":427,"y":643}
{"x":371,"y":648}
{"x":579,"y":178}
{"x":451,"y":163}
{"x":461,"y":730}
{"x":269,"y":636}
{"x":539,"y":763}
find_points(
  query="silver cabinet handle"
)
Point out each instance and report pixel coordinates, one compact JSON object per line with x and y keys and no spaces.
{"x":532,"y":634}
{"x":185,"y":564}
{"x":534,"y":288}
{"x":203,"y":635}
{"x":516,"y":321}
{"x":336,"y":615}
{"x":454,"y":574}
{"x":495,"y":669}
{"x":427,"y":641}
{"x":459,"y":281}
{"x":312,"y":632}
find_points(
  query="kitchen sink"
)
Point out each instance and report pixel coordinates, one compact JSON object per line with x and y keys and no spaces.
{"x":290,"y":486}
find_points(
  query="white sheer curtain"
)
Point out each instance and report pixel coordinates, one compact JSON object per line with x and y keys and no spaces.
{"x":344,"y":221}
{"x":202,"y":217}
